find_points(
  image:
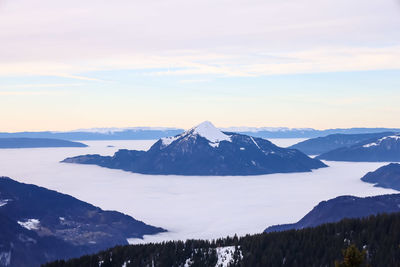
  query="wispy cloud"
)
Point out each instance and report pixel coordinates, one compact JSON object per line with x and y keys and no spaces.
{"x":30,"y":93}
{"x":194,"y":81}
{"x":40,"y":85}
{"x":323,"y":59}
{"x":326,"y":59}
{"x":244,"y":38}
{"x":79,"y":77}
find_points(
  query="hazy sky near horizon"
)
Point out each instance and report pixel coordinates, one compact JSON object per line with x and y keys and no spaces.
{"x":297,"y":63}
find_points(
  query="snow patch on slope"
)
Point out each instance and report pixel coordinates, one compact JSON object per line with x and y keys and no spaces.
{"x":188,"y":263}
{"x":225,"y":256}
{"x":166,"y":141}
{"x":265,"y":129}
{"x":5,"y":258}
{"x":254,"y":141}
{"x":30,"y":224}
{"x":377,"y":143}
{"x":3,"y":202}
{"x":265,"y":152}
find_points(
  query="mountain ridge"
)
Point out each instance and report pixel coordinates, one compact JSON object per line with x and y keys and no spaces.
{"x":387,"y":176}
{"x":320,"y":145}
{"x":53,"y":225}
{"x":336,"y":209}
{"x":151,"y":133}
{"x":380,"y":149}
{"x":25,"y":142}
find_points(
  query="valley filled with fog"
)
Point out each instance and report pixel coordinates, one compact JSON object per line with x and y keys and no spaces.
{"x":188,"y":206}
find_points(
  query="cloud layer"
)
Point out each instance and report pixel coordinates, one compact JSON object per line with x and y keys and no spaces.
{"x":231,"y":38}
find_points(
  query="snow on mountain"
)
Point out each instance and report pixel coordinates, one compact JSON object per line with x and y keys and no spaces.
{"x":166,"y":141}
{"x":5,"y":258}
{"x":210,"y":132}
{"x":379,"y":141}
{"x":111,"y":130}
{"x":263,"y":129}
{"x":3,"y":202}
{"x":205,"y":129}
{"x":206,"y":150}
{"x":381,"y":149}
{"x":40,"y":225}
{"x":320,"y":145}
{"x":30,"y":224}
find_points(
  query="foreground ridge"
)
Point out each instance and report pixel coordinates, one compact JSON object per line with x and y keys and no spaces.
{"x":319,"y":246}
{"x":40,"y":225}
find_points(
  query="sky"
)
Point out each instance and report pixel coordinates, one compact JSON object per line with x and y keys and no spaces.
{"x":265,"y":63}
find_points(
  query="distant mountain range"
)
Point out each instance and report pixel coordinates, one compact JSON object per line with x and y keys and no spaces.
{"x":205,"y":150}
{"x":151,"y":133}
{"x":304,"y":132}
{"x":387,"y":177}
{"x":23,"y":142}
{"x":380,"y":149}
{"x":320,"y":145}
{"x":139,"y":133}
{"x":342,"y":207}
{"x":40,"y":225}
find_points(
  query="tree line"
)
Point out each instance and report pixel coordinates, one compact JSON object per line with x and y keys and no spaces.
{"x":371,"y":241}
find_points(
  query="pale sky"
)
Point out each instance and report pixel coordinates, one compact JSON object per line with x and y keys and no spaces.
{"x":296,"y":63}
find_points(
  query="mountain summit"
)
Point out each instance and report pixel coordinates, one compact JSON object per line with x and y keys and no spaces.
{"x":205,"y":130}
{"x":206,"y":150}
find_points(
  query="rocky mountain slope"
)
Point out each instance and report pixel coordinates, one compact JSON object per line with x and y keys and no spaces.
{"x":381,"y":149}
{"x":342,"y":207}
{"x":205,"y":150}
{"x":387,"y":176}
{"x":319,"y":145}
{"x":39,"y":225}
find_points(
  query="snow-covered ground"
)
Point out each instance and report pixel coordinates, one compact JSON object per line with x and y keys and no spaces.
{"x":30,"y":224}
{"x":190,"y":207}
{"x":225,"y":256}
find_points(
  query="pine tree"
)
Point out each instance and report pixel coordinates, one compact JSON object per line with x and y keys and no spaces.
{"x":352,"y":257}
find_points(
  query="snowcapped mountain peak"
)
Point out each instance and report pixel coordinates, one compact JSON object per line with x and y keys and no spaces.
{"x":207,"y":130}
